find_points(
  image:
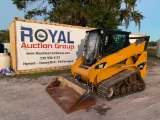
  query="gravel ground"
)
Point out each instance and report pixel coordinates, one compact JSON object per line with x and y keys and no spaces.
{"x":26,"y":99}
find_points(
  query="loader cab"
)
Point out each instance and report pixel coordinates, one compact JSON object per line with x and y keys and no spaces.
{"x":103,"y":42}
{"x":113,"y":41}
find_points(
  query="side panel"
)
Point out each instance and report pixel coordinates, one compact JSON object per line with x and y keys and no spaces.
{"x":117,"y":57}
{"x":110,"y":71}
{"x":13,"y":49}
{"x":158,"y":49}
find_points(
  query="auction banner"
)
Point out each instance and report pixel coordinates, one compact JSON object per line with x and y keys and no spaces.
{"x":45,"y":46}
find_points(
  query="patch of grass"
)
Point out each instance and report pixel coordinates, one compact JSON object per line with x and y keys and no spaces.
{"x":151,"y":56}
{"x":37,"y":75}
{"x":151,"y":52}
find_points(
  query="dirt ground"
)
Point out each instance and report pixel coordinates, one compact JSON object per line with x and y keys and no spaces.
{"x":26,"y":99}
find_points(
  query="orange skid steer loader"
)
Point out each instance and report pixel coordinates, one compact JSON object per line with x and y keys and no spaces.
{"x":110,"y":65}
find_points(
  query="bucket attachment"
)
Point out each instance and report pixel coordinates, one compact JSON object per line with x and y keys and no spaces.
{"x":69,"y":94}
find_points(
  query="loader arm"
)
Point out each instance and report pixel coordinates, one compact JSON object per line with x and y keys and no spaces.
{"x":90,"y":73}
{"x":117,"y":57}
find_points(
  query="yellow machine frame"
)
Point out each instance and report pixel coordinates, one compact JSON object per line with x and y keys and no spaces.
{"x":95,"y":76}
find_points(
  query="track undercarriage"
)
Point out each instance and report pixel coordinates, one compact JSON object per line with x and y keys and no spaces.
{"x":121,"y":84}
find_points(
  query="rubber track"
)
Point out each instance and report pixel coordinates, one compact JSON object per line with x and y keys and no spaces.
{"x":110,"y":82}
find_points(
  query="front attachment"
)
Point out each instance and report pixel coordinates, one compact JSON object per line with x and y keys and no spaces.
{"x":69,"y":94}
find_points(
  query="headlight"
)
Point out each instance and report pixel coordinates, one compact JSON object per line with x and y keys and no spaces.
{"x":141,"y":66}
{"x":102,"y":65}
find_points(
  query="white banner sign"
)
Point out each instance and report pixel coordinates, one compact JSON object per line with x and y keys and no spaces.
{"x":44,"y":46}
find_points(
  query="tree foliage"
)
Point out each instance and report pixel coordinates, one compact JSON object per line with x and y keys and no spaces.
{"x":4,"y":36}
{"x":91,"y":13}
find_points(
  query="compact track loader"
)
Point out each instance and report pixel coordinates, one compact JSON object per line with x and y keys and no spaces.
{"x":110,"y":65}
